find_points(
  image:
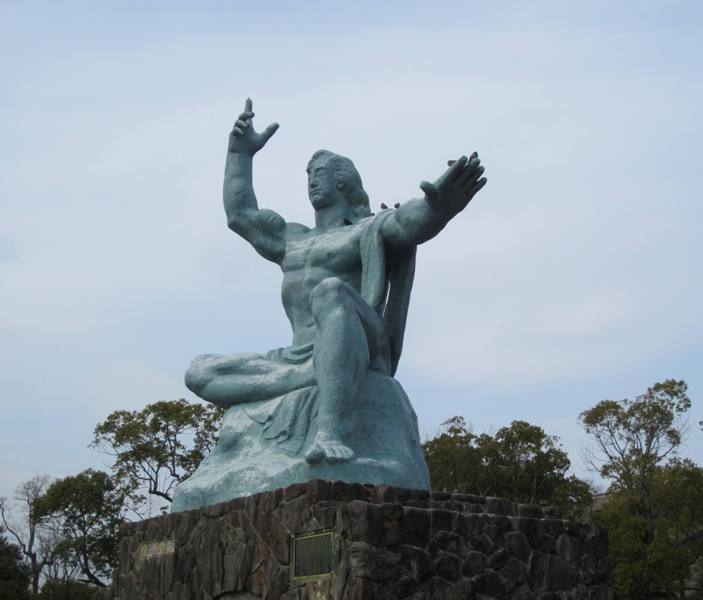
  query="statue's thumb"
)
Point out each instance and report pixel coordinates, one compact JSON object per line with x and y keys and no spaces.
{"x":429,"y":189}
{"x":270,"y":130}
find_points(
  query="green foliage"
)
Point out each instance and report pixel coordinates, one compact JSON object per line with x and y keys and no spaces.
{"x":87,"y":510}
{"x":633,"y":436}
{"x":67,"y":590}
{"x":159,"y":446}
{"x":14,"y":574}
{"x":652,"y":554}
{"x":520,"y":462}
{"x":654,"y":506}
{"x":453,"y":459}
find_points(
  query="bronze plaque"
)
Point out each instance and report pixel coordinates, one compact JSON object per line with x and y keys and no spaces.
{"x":149,"y":550}
{"x":312,"y":555}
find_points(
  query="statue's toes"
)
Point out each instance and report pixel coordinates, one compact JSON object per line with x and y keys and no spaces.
{"x":348,"y":453}
{"x":314,"y":455}
{"x":338,"y":454}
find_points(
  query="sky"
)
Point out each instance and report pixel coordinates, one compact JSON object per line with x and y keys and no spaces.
{"x":575,"y":275}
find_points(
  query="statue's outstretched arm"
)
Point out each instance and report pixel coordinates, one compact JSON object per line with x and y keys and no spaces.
{"x":264,"y":229}
{"x":421,"y":219}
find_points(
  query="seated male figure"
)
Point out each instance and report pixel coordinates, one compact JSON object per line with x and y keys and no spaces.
{"x":337,"y":310}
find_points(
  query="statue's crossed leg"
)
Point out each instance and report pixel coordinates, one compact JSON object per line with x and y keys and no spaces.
{"x":231,"y":379}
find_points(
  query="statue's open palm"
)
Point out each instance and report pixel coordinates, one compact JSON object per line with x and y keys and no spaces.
{"x":455,"y":188}
{"x":243,"y":139}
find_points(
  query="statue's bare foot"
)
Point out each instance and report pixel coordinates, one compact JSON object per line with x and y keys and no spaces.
{"x":325,"y":446}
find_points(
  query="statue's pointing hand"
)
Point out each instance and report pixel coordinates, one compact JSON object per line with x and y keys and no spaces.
{"x":243,"y":139}
{"x":455,"y":188}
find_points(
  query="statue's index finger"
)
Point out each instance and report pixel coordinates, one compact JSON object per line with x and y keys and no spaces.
{"x":247,"y":105}
{"x":455,"y":168}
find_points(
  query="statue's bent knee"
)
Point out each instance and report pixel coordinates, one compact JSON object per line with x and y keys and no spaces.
{"x":199,"y":374}
{"x":328,"y":294}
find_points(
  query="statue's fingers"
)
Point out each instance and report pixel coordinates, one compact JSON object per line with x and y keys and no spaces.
{"x":471,"y":167}
{"x":473,"y":164}
{"x":270,"y":130}
{"x":455,"y":170}
{"x":246,"y":116}
{"x":237,"y":131}
{"x":241,"y":124}
{"x":477,"y":186}
{"x":469,"y":176}
{"x":473,"y":155}
{"x":247,"y":105}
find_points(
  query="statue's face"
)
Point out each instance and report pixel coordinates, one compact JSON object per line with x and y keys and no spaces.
{"x":322,"y":187}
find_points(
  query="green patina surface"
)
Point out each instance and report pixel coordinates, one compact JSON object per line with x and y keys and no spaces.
{"x":327,"y":406}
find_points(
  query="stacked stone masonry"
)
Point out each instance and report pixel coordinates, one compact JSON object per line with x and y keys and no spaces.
{"x":388,"y":543}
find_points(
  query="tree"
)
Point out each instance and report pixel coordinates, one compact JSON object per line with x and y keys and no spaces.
{"x":653,"y":555}
{"x":14,"y":574}
{"x":533,"y":468}
{"x":157,"y":447}
{"x":87,"y":509}
{"x":678,"y":497}
{"x":35,"y":540}
{"x":453,"y":459}
{"x":520,"y":462}
{"x":632,"y":437}
{"x":654,"y":506}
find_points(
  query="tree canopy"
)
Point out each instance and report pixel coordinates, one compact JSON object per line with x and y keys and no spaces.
{"x":521,"y":462}
{"x":633,"y":436}
{"x":87,"y":509}
{"x":159,"y":446}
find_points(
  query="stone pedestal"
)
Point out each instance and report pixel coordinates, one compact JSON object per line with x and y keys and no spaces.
{"x":385,"y":543}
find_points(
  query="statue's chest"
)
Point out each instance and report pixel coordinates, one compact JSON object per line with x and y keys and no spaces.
{"x":337,"y":250}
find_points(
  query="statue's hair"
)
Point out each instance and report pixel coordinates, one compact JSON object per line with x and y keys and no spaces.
{"x":345,"y":172}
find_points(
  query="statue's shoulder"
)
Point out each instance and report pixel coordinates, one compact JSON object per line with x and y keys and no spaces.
{"x":373,"y":218}
{"x":296,"y":231}
{"x":374,"y":221}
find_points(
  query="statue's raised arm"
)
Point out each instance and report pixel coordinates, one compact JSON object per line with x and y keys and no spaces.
{"x":262,"y":228}
{"x":421,"y":219}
